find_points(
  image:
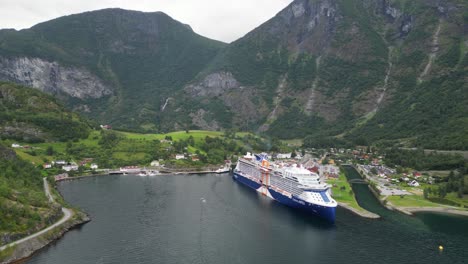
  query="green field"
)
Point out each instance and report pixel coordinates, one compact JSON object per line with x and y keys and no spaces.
{"x":411,"y":201}
{"x":138,"y":149}
{"x":341,"y":192}
{"x":179,"y":135}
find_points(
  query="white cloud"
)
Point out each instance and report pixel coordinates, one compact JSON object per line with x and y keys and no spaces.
{"x":217,"y":19}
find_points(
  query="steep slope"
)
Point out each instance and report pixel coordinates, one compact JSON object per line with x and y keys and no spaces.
{"x":29,"y":115}
{"x":360,"y":71}
{"x":115,"y":65}
{"x":24,"y":207}
{"x":373,"y":69}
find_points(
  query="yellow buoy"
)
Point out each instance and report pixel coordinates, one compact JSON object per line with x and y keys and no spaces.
{"x":441,"y":248}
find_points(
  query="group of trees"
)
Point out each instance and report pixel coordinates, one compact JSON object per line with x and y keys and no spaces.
{"x":21,"y":194}
{"x":454,"y":183}
{"x":420,"y":160}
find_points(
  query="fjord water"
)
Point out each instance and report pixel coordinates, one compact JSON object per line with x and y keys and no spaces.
{"x":213,"y":219}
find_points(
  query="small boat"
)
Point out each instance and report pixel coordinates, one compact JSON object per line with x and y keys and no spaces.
{"x":152,"y":173}
{"x":222,"y":170}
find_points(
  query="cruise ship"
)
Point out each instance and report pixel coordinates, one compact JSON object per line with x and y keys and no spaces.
{"x":291,"y":185}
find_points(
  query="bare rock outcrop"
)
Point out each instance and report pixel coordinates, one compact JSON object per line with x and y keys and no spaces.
{"x":214,"y":84}
{"x":53,"y":78}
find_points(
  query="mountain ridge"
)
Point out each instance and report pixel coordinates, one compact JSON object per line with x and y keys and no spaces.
{"x":328,"y":69}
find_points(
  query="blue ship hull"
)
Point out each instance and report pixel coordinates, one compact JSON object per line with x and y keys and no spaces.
{"x":327,"y":213}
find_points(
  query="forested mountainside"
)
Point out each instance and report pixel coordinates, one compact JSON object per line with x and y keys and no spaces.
{"x":29,"y":115}
{"x":115,"y":65}
{"x":24,"y":207}
{"x":360,"y":71}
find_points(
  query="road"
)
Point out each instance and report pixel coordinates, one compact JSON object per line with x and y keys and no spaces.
{"x":67,"y":214}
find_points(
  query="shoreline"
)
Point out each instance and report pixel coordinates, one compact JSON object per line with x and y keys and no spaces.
{"x":162,"y":173}
{"x":28,"y":248}
{"x":25,"y":247}
{"x":410,"y":211}
{"x":364,"y":214}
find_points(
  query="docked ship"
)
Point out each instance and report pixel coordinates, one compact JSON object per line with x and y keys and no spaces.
{"x":291,"y":185}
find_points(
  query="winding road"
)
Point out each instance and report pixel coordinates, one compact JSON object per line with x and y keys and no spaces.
{"x":67,"y":214}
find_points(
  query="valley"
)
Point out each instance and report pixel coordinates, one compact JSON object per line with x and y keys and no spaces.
{"x":357,"y":103}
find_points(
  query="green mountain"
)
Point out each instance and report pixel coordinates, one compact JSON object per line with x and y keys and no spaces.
{"x":359,"y":71}
{"x":24,"y":207}
{"x":28,"y":115}
{"x":115,"y":65}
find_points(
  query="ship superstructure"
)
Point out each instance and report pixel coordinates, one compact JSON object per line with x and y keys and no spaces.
{"x":291,"y":185}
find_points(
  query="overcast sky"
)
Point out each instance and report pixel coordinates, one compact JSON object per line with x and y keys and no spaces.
{"x":224,"y":20}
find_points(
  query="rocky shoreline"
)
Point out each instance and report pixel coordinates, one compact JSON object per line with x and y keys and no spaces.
{"x":28,"y":248}
{"x":365,"y":214}
{"x":412,"y":210}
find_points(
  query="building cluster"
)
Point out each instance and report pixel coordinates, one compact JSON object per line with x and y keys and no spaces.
{"x":61,"y":177}
{"x":70,"y":165}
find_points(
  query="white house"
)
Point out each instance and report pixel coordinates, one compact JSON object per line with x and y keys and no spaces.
{"x":413,"y":183}
{"x":47,"y":165}
{"x":14,"y":145}
{"x":154,"y":163}
{"x":283,"y":155}
{"x":70,"y":167}
{"x":94,"y":166}
{"x":60,"y":162}
{"x":179,"y":156}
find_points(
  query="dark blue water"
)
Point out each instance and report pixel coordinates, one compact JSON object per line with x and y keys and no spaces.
{"x":213,"y":219}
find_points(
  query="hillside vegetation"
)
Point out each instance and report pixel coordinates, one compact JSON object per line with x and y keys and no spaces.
{"x":348,"y":71}
{"x":23,"y":204}
{"x":28,"y":115}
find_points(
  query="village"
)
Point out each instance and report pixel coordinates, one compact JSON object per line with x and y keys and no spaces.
{"x":386,"y":180}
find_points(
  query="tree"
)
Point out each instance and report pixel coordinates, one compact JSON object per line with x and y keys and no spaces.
{"x":191,"y":141}
{"x":325,"y":161}
{"x":426,"y":193}
{"x":442,"y":191}
{"x":50,"y":151}
{"x":460,"y":191}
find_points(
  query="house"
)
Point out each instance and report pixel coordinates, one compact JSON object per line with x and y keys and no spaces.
{"x":94,"y":166}
{"x":14,"y":145}
{"x":130,"y":169}
{"x":86,"y":161}
{"x":47,"y":165}
{"x":179,"y":156}
{"x":154,"y":163}
{"x":416,"y":174}
{"x":330,"y":171}
{"x":413,"y":183}
{"x":195,"y":158}
{"x":60,"y":177}
{"x":106,"y":127}
{"x":70,"y":167}
{"x":283,"y":155}
{"x":60,"y":162}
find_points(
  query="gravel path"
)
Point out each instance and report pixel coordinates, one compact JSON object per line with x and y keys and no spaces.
{"x":67,"y":214}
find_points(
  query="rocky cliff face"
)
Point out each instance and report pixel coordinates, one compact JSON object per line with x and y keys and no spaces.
{"x":214,"y":84}
{"x":327,"y":67}
{"x":114,"y":65}
{"x":336,"y":65}
{"x":53,"y":78}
